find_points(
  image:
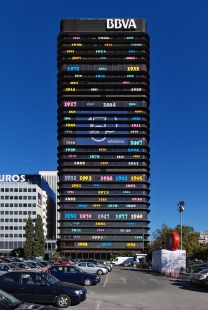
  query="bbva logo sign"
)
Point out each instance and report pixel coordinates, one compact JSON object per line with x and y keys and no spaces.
{"x":120,"y":24}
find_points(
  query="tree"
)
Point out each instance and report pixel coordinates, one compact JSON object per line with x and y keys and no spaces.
{"x":127,"y":253}
{"x":29,"y":232}
{"x":17,"y":252}
{"x":159,"y":238}
{"x":39,"y":239}
{"x":190,"y":240}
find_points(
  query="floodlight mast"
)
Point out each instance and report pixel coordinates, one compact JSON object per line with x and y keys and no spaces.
{"x":181,"y":209}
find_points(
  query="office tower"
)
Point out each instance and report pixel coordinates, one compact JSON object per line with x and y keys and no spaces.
{"x":103,"y":134}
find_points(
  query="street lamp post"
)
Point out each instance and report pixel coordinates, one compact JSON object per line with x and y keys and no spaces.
{"x":181,"y":209}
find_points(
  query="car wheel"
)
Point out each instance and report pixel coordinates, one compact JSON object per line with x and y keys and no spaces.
{"x":99,"y":271}
{"x":87,"y":282}
{"x":63,"y":301}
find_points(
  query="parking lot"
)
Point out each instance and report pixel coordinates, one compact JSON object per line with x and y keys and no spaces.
{"x":129,"y":288}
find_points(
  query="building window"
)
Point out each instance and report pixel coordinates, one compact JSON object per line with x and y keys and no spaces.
{"x":24,"y":212}
{"x":16,"y":190}
{"x":15,"y":212}
{"x":6,"y":227}
{"x":20,"y":220}
{"x":29,"y":205}
{"x":16,"y":197}
{"x":34,"y":205}
{"x":15,"y":227}
{"x":11,"y":189}
{"x":24,"y":189}
{"x":20,"y":205}
{"x":15,"y":235}
{"x":2,"y":205}
{"x":1,"y":220}
{"x":2,"y":212}
{"x":6,"y":205}
{"x":6,"y":190}
{"x":11,"y":220}
{"x":11,"y":197}
{"x":20,"y":212}
{"x":16,"y":205}
{"x":29,"y":197}
{"x":24,"y":205}
{"x":20,"y":189}
{"x":1,"y":197}
{"x":11,"y":235}
{"x":6,"y":235}
{"x":20,"y":197}
{"x":29,"y":190}
{"x":29,"y":212}
{"x":6,"y":197}
{"x":11,"y":205}
{"x":10,"y":212}
{"x":11,"y":227}
{"x":15,"y":220}
{"x":20,"y":235}
{"x":34,"y":212}
{"x":6,"y":212}
{"x":34,"y":189}
{"x":33,"y":197}
{"x":24,"y":220}
{"x":2,"y":190}
{"x":6,"y":220}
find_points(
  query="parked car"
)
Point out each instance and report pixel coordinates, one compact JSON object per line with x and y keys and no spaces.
{"x":63,"y":261}
{"x":199,"y":276}
{"x":104,"y":262}
{"x":4,"y":267}
{"x":6,"y":260}
{"x":96,"y":263}
{"x":21,"y":265}
{"x":33,"y":266}
{"x":73,"y":274}
{"x":9,"y":302}
{"x":38,"y":265}
{"x":28,"y":286}
{"x":91,"y":268}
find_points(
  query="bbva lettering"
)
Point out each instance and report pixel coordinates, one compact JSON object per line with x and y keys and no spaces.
{"x":121,"y":24}
{"x":12,"y":178}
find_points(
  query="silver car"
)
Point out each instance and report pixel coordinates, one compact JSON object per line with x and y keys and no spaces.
{"x":200,"y":277}
{"x":91,"y":268}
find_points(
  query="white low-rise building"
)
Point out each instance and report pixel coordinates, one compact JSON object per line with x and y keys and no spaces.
{"x":19,"y":199}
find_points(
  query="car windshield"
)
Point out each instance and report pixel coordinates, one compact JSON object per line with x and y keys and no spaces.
{"x":41,"y":264}
{"x":7,"y":301}
{"x":50,"y":279}
{"x":30,"y":265}
{"x":12,"y":266}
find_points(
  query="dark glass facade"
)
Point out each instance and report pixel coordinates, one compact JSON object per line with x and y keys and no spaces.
{"x":103,"y":135}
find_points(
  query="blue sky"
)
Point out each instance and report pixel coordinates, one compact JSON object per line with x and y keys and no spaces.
{"x":179,"y":48}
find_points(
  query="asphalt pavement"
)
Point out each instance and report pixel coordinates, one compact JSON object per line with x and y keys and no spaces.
{"x":143,"y":289}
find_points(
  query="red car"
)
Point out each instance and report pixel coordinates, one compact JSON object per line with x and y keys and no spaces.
{"x":63,"y":261}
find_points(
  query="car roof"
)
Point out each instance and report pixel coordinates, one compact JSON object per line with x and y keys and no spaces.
{"x":31,"y":271}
